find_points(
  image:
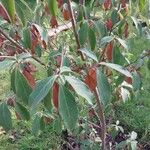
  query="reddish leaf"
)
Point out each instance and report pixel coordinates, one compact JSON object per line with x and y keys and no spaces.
{"x":123,"y":3}
{"x":107,"y":4}
{"x":109,"y":51}
{"x":11,"y":102}
{"x":29,"y":77}
{"x":53,"y":22}
{"x":30,"y":67}
{"x":4,"y":14}
{"x":35,"y":38}
{"x":66,"y":12}
{"x":43,"y":44}
{"x":16,"y":36}
{"x":55,"y":94}
{"x":58,"y":60}
{"x":47,"y":10}
{"x":90,"y":79}
{"x":109,"y":24}
{"x":128,"y":80}
{"x":10,"y":51}
{"x":126,"y":32}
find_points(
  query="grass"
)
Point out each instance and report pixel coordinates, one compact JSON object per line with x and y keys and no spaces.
{"x":21,"y":138}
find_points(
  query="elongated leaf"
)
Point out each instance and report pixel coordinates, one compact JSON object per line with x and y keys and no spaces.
{"x":47,"y":102}
{"x":26,"y":4}
{"x":5,"y":117}
{"x":20,"y":13}
{"x":27,"y":38}
{"x":83,"y":33}
{"x":23,"y":112}
{"x":64,"y":69}
{"x":142,"y":4}
{"x":6,"y":63}
{"x":101,"y":28}
{"x":123,"y":43}
{"x":53,"y":7}
{"x":136,"y":81}
{"x":23,"y":90}
{"x":118,"y":58}
{"x":68,"y":108}
{"x":41,"y":31}
{"x":10,"y":8}
{"x":92,"y":38}
{"x":57,"y":125}
{"x":103,"y":87}
{"x":41,"y":90}
{"x":80,"y":88}
{"x":117,"y":68}
{"x":106,"y":39}
{"x":137,"y":25}
{"x":36,"y":125}
{"x":114,"y":16}
{"x":89,"y":54}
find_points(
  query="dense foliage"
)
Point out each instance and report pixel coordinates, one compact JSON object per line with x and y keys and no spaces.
{"x":79,"y":69}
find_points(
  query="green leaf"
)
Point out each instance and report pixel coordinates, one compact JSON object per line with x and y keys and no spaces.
{"x":41,"y":90}
{"x":20,"y":13}
{"x":148,"y":64}
{"x":53,"y":7}
{"x":83,"y":33}
{"x":6,"y":63}
{"x":57,"y":125}
{"x":103,"y":88}
{"x":123,"y":43}
{"x":101,"y":28}
{"x":92,"y":38}
{"x":80,"y":13}
{"x":36,"y":125}
{"x":25,"y":4}
{"x":137,"y":25}
{"x":80,"y":88}
{"x":42,"y":123}
{"x":114,"y":16}
{"x":47,"y":101}
{"x":64,"y":69}
{"x":118,"y":58}
{"x":117,"y":68}
{"x":10,"y":8}
{"x":106,"y":39}
{"x":27,"y":38}
{"x":23,"y":89}
{"x":23,"y":112}
{"x":89,"y":53}
{"x":68,"y":108}
{"x":142,"y":4}
{"x":136,"y":81}
{"x":5,"y":117}
{"x":38,"y":50}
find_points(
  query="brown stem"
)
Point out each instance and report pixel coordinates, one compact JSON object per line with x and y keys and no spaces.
{"x":74,"y":28}
{"x":18,"y":46}
{"x":101,"y":118}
